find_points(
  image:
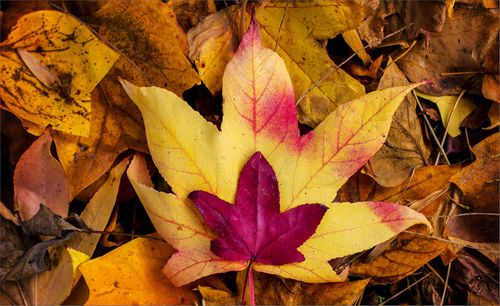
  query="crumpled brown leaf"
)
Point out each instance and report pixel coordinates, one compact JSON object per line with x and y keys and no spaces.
{"x":461,"y":46}
{"x":40,"y":179}
{"x":390,"y":16}
{"x":191,"y":12}
{"x":405,"y":148}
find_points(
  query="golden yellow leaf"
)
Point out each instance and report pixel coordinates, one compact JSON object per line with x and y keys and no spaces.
{"x":77,"y":258}
{"x":446,"y":104}
{"x":131,"y":274}
{"x":74,"y":56}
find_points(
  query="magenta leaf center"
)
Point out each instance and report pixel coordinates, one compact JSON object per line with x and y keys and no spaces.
{"x":255,"y":229}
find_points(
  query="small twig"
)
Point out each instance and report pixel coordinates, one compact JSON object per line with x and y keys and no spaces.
{"x":452,"y":242}
{"x":465,"y":215}
{"x":406,"y":187}
{"x":448,"y":123}
{"x":446,"y":284}
{"x":459,"y":73}
{"x":403,"y":54}
{"x":400,"y":292}
{"x":89,"y":231}
{"x":245,"y":284}
{"x":109,"y":44}
{"x":434,"y":137}
{"x":21,"y":293}
{"x":434,"y":271}
{"x":457,"y":203}
{"x":348,"y":59}
{"x":281,"y":24}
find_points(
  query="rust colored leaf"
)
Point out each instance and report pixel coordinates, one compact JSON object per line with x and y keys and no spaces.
{"x":404,"y":256}
{"x":40,"y":179}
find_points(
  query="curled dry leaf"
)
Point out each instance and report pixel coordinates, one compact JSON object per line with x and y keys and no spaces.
{"x":31,"y":186}
{"x":424,"y":16}
{"x":75,"y":56}
{"x":133,"y":276}
{"x":405,"y":148}
{"x":191,"y":12}
{"x":259,"y":115}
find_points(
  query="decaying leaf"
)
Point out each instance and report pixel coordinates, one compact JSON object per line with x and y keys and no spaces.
{"x":461,"y":48}
{"x":191,"y":12}
{"x":133,"y":27}
{"x":479,"y":180}
{"x":53,"y":286}
{"x":259,"y":115}
{"x":31,"y":184}
{"x":446,"y":106}
{"x":30,"y":259}
{"x":133,"y":276}
{"x":420,"y":17}
{"x":74,"y":56}
{"x":405,"y":149}
{"x":402,"y":258}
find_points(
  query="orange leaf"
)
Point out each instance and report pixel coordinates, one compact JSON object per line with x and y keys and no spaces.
{"x":131,"y":274}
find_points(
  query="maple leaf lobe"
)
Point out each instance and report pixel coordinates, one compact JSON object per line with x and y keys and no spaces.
{"x":254,"y":228}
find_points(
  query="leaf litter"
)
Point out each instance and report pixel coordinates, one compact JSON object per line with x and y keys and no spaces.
{"x":458,"y":215}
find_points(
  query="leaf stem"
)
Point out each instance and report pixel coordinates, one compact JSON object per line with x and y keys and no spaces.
{"x":252,"y":293}
{"x":90,"y":231}
{"x":247,"y":275}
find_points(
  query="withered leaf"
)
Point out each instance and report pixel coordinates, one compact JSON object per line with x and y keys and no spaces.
{"x":405,"y":148}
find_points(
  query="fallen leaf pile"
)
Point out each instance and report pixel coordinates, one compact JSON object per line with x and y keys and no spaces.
{"x":276,"y":152}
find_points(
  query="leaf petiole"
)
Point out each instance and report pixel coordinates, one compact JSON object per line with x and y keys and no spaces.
{"x":248,"y":279}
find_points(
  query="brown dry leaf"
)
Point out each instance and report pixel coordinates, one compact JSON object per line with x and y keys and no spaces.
{"x":461,"y":46}
{"x":479,"y":180}
{"x":66,"y":50}
{"x":425,"y":180}
{"x":404,"y":149}
{"x":134,"y":27}
{"x":404,"y":256}
{"x":133,"y":276}
{"x":479,"y":185}
{"x":191,"y":12}
{"x":493,"y":116}
{"x":271,"y":290}
{"x":390,"y":16}
{"x":490,"y":80}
